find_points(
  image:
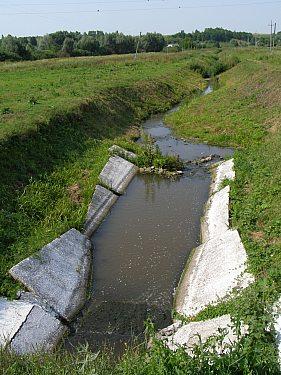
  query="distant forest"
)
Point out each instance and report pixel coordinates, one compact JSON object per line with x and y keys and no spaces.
{"x":93,"y":43}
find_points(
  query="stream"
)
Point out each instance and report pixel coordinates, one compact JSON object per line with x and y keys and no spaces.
{"x":141,"y":248}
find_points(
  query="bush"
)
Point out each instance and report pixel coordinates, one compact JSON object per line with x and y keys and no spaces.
{"x":210,"y":66}
{"x":151,"y":155}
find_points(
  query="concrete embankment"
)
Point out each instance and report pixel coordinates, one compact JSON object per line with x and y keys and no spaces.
{"x":215,"y":270}
{"x":192,"y":334}
{"x":57,"y":276}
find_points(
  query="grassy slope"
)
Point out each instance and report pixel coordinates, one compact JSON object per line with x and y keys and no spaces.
{"x":231,"y":116}
{"x":34,"y":92}
{"x":52,"y":152}
{"x":245,"y":112}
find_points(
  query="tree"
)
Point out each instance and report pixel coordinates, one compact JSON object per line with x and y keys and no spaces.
{"x":13,"y":46}
{"x":234,"y":43}
{"x":186,"y":43}
{"x":45,"y":42}
{"x":89,"y":43}
{"x":124,"y":44}
{"x":153,"y":42}
{"x":68,"y":46}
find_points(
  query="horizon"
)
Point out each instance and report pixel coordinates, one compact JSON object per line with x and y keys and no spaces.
{"x":33,"y":17}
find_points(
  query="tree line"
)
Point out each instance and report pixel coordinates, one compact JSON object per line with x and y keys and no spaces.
{"x":65,"y":43}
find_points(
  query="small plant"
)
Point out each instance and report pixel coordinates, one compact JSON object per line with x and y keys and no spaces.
{"x":152,"y":156}
{"x":6,"y":111}
{"x":33,"y":100}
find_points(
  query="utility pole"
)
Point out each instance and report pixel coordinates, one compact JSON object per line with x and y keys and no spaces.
{"x":271,"y":29}
{"x":138,"y":42}
{"x":274,"y":34}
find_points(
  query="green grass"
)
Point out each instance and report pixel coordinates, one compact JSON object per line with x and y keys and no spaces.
{"x":159,"y":360}
{"x":230,"y":117}
{"x":52,"y":152}
{"x":35,"y":92}
{"x":245,"y":112}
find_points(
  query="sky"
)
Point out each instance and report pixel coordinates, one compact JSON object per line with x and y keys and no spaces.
{"x":38,"y":17}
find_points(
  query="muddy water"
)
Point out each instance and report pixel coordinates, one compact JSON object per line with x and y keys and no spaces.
{"x":141,"y":248}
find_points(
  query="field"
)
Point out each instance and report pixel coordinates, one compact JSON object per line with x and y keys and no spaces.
{"x":55,"y":155}
{"x":33,"y":93}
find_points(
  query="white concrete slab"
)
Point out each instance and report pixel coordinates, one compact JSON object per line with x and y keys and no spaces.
{"x":12,"y":316}
{"x":186,"y":335}
{"x":101,"y":204}
{"x":277,"y":325}
{"x":217,"y":267}
{"x":117,"y":174}
{"x":59,"y":273}
{"x":216,"y":219}
{"x":119,"y":151}
{"x":40,"y":332}
{"x":225,"y":171}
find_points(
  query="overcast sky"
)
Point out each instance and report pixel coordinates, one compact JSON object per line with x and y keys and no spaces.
{"x":37,"y":17}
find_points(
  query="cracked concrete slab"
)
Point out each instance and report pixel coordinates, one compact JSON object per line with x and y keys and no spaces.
{"x":101,"y":204}
{"x":119,"y":151}
{"x":59,"y":273}
{"x":216,"y":218}
{"x":216,"y":269}
{"x":40,"y":332}
{"x":12,"y":316}
{"x":187,"y":335}
{"x":224,"y":171}
{"x":117,"y":174}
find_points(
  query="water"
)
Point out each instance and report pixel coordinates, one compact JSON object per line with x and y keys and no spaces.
{"x":142,"y":247}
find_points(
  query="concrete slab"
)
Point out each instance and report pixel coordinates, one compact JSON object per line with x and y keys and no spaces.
{"x":59,"y":273}
{"x":216,"y":269}
{"x":33,"y":299}
{"x":119,"y":151}
{"x":223,"y":171}
{"x":101,"y":204}
{"x":277,"y":325}
{"x":12,"y":315}
{"x":117,"y":174}
{"x":186,"y":335}
{"x":40,"y":332}
{"x":216,"y":218}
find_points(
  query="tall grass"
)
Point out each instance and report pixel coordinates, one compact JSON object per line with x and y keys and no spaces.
{"x":245,"y":357}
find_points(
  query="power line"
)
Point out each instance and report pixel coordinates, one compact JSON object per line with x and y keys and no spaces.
{"x":137,"y":1}
{"x":84,"y":3}
{"x":143,"y":9}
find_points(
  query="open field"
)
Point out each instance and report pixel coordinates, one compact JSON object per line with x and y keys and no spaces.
{"x":55,"y":167}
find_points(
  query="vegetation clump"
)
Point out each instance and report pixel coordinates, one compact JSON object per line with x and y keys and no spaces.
{"x":151,"y":156}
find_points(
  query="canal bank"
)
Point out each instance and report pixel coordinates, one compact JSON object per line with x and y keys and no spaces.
{"x":141,"y":248}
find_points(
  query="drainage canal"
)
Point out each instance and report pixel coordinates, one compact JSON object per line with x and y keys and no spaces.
{"x":142,"y":247}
